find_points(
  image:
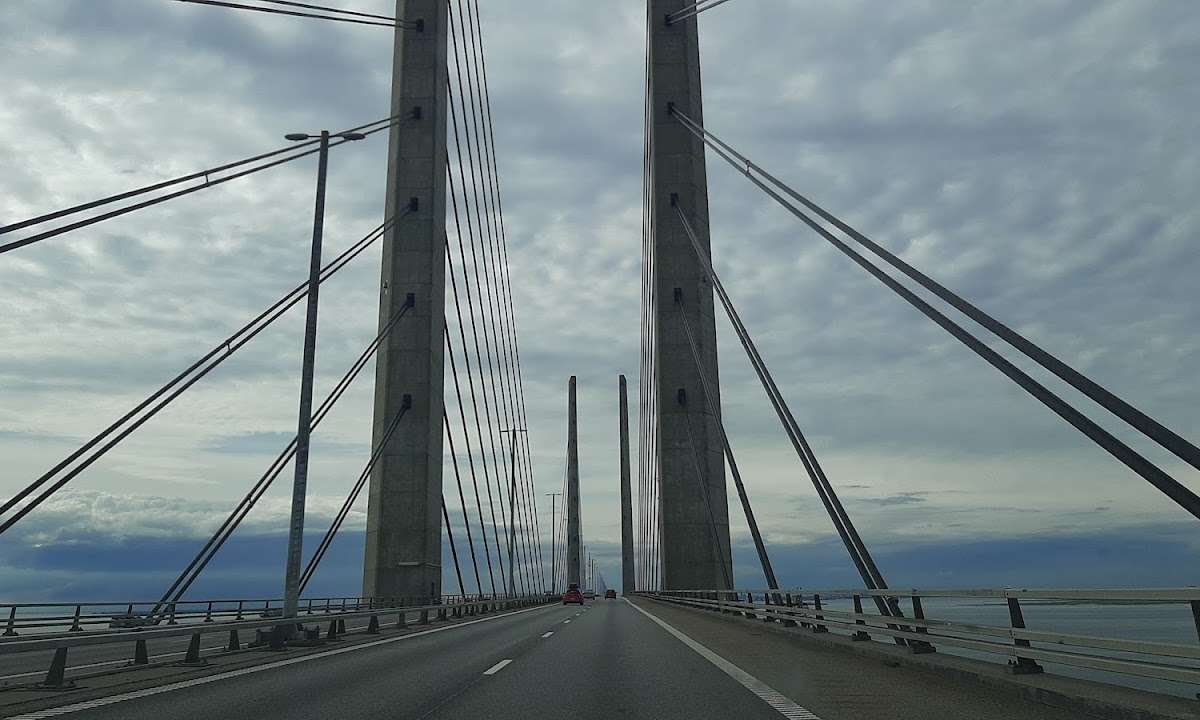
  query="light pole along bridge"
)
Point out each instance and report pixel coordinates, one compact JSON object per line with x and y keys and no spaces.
{"x":684,"y":642}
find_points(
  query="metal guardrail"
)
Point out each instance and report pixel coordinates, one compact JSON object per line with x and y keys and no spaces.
{"x":1023,"y":648}
{"x":208,"y":621}
{"x":18,"y":618}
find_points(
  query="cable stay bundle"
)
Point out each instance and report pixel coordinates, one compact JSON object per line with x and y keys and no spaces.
{"x":193,"y":570}
{"x":1171,"y":441}
{"x":324,"y":13}
{"x":203,"y":179}
{"x":95,"y":448}
{"x":693,"y":10}
{"x":482,"y":268}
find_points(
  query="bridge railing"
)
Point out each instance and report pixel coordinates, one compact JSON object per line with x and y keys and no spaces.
{"x":374,"y":610}
{"x":21,"y":619}
{"x":1024,"y":648}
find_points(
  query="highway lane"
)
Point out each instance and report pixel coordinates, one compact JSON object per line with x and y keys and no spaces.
{"x":608,"y":659}
{"x":397,"y":676}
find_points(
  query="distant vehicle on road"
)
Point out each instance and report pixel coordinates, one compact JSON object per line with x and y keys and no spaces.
{"x":572,"y":595}
{"x":610,"y":594}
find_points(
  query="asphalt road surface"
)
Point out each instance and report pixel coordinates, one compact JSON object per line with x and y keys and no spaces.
{"x":609,"y":659}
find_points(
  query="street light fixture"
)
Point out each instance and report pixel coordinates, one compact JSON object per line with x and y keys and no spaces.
{"x":300,"y":485}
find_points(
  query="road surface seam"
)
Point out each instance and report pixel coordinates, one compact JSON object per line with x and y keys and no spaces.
{"x":101,"y":702}
{"x":497,"y":667}
{"x":765,"y":692}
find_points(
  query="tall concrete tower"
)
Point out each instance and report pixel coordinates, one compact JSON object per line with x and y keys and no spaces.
{"x":404,"y":520}
{"x":574,"y":561}
{"x":690,"y":555}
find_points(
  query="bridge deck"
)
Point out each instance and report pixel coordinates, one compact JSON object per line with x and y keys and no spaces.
{"x":606,"y":660}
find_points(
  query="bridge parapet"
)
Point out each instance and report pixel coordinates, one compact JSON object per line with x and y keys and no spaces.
{"x":818,"y":611}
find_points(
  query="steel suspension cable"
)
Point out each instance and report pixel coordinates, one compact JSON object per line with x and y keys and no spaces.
{"x":471,"y":38}
{"x":693,"y":10}
{"x":352,"y":497}
{"x":192,"y":571}
{"x":296,"y":153}
{"x":483,"y":287}
{"x":499,"y":211}
{"x":462,"y":498}
{"x":462,"y":589}
{"x":837,"y":514}
{"x":462,"y":414}
{"x":176,"y":387}
{"x":1160,"y":479}
{"x":391,"y":22}
{"x":467,"y":359}
{"x":763,"y":559}
{"x":323,"y":8}
{"x":491,"y":430}
{"x":1147,"y":425}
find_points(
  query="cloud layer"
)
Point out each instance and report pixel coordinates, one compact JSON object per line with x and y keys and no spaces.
{"x":1038,"y":158}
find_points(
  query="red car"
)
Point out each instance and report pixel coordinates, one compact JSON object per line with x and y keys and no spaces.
{"x":572,"y":595}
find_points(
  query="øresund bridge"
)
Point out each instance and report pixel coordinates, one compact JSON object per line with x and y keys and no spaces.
{"x":490,"y":636}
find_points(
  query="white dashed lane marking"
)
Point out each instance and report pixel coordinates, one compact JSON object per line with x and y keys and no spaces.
{"x":546,"y":635}
{"x":765,"y":692}
{"x":497,"y":667}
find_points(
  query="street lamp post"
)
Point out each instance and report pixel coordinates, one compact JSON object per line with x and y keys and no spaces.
{"x":300,"y":485}
{"x":554,"y":541}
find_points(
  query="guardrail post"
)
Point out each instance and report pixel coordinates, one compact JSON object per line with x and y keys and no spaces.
{"x":171,"y":615}
{"x":1020,"y":665}
{"x":326,"y":606}
{"x":373,"y":625}
{"x":75,"y":626}
{"x":208,"y":614}
{"x":424,"y":617}
{"x":341,"y":626}
{"x":193,"y":652}
{"x":401,"y":622}
{"x":56,"y":676}
{"x":332,"y":632}
{"x":240,"y":605}
{"x":235,"y":643}
{"x":859,"y":635}
{"x":11,"y":629}
{"x":308,"y":611}
{"x":818,"y":627}
{"x":920,"y":647}
{"x":141,"y":654}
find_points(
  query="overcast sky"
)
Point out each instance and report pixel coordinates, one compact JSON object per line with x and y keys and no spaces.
{"x":1040,"y":158}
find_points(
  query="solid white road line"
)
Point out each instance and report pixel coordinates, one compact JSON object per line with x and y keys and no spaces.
{"x":497,"y":667}
{"x":101,"y":702}
{"x":546,"y":635}
{"x":765,"y":692}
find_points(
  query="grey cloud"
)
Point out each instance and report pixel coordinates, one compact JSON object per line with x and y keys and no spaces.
{"x":1039,"y":158}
